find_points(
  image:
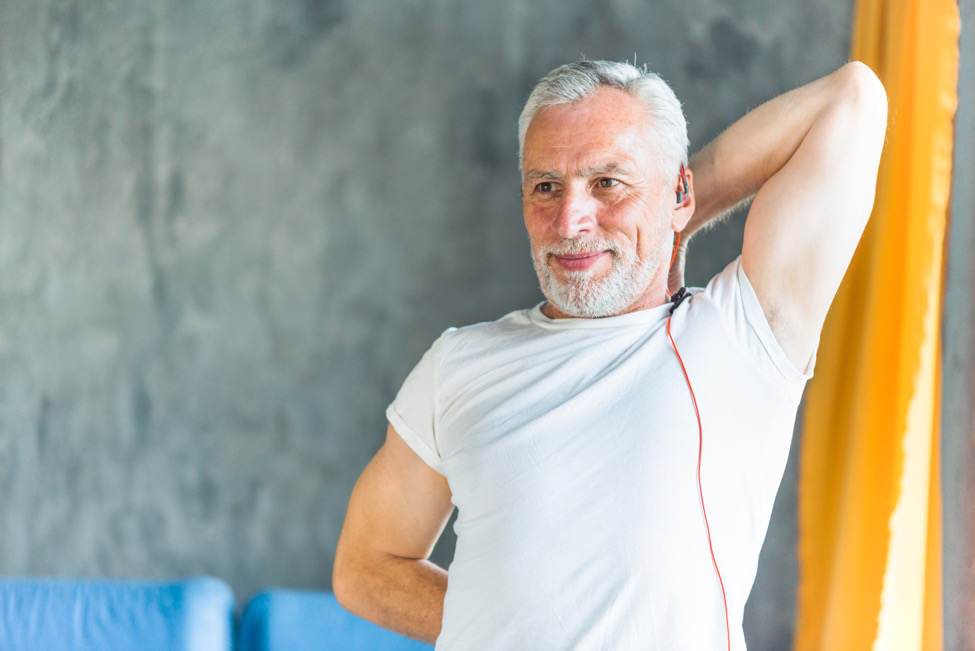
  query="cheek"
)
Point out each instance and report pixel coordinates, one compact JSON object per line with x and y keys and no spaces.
{"x":646,"y":235}
{"x":536,"y":229}
{"x":625,"y":220}
{"x":541,"y":220}
{"x":535,"y":217}
{"x":654,"y":241}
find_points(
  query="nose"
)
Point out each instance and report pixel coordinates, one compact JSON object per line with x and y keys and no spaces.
{"x":576,"y":213}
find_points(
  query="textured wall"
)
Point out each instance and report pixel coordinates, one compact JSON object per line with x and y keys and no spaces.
{"x":229,"y":229}
{"x":958,"y":359}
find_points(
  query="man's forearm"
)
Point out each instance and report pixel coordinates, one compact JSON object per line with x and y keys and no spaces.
{"x":402,"y":595}
{"x":733,"y":167}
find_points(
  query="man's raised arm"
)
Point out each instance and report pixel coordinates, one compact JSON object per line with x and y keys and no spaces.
{"x":810,"y":157}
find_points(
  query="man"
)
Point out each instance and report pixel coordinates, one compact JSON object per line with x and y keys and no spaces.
{"x":568,"y":434}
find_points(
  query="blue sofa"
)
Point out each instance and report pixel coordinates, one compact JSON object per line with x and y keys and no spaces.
{"x":295,"y":620}
{"x":190,"y":615}
{"x":114,"y":615}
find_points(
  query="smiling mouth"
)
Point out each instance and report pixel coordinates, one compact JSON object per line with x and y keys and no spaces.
{"x":577,"y":256}
{"x":578,"y":261}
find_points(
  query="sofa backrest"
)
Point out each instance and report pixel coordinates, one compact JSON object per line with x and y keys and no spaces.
{"x":115,"y":615}
{"x":297,"y":620}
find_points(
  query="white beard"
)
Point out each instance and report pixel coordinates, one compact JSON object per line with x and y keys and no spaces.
{"x":581,"y":294}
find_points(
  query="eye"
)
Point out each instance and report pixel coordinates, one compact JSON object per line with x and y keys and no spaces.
{"x":606,"y":182}
{"x":544,"y":186}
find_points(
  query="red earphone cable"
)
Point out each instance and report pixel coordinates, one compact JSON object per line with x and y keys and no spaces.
{"x":700,"y":450}
{"x":672,"y":258}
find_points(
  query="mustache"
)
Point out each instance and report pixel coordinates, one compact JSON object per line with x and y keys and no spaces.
{"x":577,"y":246}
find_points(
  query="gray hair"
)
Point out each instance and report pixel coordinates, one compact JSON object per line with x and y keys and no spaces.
{"x":575,"y":81}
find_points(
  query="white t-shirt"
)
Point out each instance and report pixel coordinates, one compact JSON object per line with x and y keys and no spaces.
{"x":570,"y":447}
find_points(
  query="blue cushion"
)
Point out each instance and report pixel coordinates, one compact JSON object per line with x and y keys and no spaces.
{"x":293,"y":620}
{"x":114,"y":615}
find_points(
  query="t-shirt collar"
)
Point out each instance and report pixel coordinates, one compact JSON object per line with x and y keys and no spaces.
{"x":636,"y":318}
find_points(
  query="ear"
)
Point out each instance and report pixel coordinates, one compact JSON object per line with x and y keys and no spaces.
{"x":684,"y":209}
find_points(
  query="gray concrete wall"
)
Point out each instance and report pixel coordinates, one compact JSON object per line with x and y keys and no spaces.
{"x":229,"y":229}
{"x":958,"y":364}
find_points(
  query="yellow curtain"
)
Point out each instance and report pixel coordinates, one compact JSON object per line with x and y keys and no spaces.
{"x":869,"y":492}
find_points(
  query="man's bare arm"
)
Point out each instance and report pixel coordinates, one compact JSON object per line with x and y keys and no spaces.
{"x":810,"y":157}
{"x":398,"y":509}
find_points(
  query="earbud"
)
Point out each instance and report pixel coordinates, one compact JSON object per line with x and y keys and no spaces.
{"x":683,"y":180}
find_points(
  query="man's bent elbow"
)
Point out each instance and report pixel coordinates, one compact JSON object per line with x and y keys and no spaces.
{"x":345,"y":580}
{"x":862,"y":87}
{"x":340,"y":584}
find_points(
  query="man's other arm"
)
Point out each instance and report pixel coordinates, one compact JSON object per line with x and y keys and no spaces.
{"x":810,"y":158}
{"x":397,"y":511}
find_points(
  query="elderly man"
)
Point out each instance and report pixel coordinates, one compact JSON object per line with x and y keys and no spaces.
{"x":614,"y":451}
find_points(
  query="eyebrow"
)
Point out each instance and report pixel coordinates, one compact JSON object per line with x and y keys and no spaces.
{"x":541,"y":174}
{"x":605,"y":168}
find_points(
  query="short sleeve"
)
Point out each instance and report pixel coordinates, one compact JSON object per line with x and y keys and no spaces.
{"x":733,"y":295}
{"x":413,"y":413}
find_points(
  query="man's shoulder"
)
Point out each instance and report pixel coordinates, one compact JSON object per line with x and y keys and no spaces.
{"x":461,"y":353}
{"x":513,"y":323}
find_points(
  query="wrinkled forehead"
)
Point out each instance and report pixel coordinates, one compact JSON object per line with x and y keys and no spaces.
{"x":609,"y":130}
